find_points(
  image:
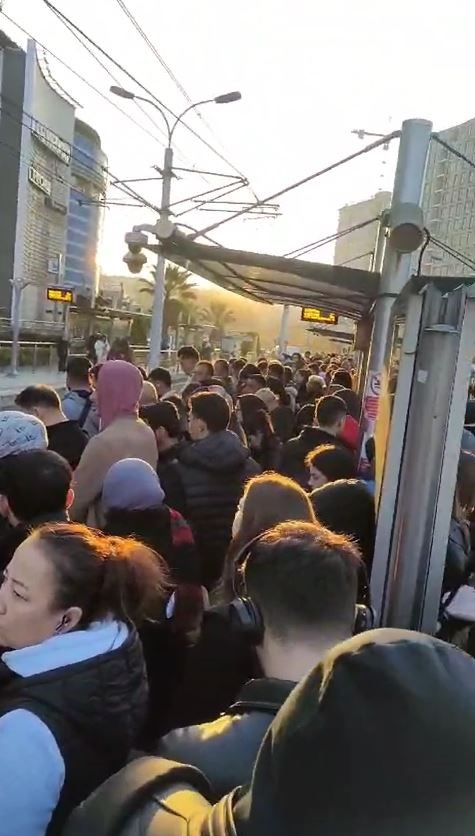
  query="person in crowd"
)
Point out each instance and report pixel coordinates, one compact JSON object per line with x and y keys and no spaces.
{"x":134,"y":505}
{"x":164,"y":420}
{"x":252,"y":384}
{"x":283,"y":418}
{"x":314,"y":748}
{"x":301,"y":378}
{"x":221,"y":369}
{"x":263,"y":366}
{"x":213,"y":469}
{"x":315,"y":388}
{"x":268,"y":499}
{"x":206,"y":350}
{"x":78,"y":402}
{"x":260,"y":436}
{"x":162,"y":380}
{"x":120,"y":350}
{"x":329,"y":421}
{"x":290,"y":386}
{"x":123,"y":434}
{"x":276,"y":369}
{"x":203,"y":372}
{"x":182,"y":414}
{"x":20,"y":432}
{"x":459,"y":561}
{"x":347,"y":507}
{"x":73,"y":688}
{"x":300,"y":581}
{"x":304,"y":417}
{"x":148,"y":395}
{"x":328,"y":463}
{"x":36,"y":487}
{"x":64,"y":436}
{"x":235,"y":368}
{"x":222,"y":373}
{"x":101,"y":348}
{"x":342,"y":382}
{"x":247,"y":371}
{"x":188,"y":358}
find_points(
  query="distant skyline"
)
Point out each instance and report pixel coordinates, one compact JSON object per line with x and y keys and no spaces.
{"x":308,"y":76}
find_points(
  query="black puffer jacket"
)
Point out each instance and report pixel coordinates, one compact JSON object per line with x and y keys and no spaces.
{"x":225,"y":750}
{"x":214,"y":471}
{"x":295,"y":451}
{"x":94,"y":710}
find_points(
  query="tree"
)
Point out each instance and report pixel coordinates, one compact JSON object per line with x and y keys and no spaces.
{"x":179,"y":293}
{"x":219,"y":316}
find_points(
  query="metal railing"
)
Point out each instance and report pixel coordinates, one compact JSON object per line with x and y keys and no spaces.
{"x":33,"y":354}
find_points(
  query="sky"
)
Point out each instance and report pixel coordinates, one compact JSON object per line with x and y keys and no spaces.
{"x":309,"y":74}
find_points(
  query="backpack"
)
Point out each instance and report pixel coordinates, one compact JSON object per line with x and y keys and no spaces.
{"x":121,"y":799}
{"x":85,"y":411}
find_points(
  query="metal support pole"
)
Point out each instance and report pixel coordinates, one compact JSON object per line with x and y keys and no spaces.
{"x":396,"y":267}
{"x":17,"y":288}
{"x":445,"y":347}
{"x":284,"y":328}
{"x":159,"y":293}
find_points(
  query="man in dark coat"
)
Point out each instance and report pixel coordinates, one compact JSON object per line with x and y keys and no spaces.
{"x":214,"y":470}
{"x":302,"y":582}
{"x":329,"y":421}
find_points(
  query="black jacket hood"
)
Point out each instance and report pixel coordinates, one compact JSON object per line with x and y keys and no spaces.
{"x":220,"y":453}
{"x":379,"y":740}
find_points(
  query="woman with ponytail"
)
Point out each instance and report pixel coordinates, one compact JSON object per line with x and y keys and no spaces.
{"x":73,"y":691}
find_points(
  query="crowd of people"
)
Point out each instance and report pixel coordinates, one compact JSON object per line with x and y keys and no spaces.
{"x":185,"y":617}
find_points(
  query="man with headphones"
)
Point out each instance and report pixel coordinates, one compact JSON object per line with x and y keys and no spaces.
{"x":295,"y":598}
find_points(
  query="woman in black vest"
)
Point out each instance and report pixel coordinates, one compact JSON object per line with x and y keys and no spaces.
{"x":73,"y":693}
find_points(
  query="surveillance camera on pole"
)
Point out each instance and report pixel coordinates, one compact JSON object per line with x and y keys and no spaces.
{"x":135,"y":241}
{"x":135,"y":261}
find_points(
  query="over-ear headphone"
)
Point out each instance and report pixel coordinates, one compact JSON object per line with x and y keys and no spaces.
{"x":246,"y":616}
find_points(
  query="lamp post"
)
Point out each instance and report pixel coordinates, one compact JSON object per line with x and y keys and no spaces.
{"x":167,"y":174}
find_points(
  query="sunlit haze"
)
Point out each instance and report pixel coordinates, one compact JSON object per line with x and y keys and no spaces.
{"x":309,"y":73}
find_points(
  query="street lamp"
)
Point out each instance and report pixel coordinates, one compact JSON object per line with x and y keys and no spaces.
{"x":167,"y":173}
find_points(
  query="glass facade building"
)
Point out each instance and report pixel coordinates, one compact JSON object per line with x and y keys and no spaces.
{"x":88,"y":187}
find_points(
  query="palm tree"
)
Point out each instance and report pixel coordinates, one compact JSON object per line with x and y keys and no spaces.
{"x":179,"y":293}
{"x":219,"y":316}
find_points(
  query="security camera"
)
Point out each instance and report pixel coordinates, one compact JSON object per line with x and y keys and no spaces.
{"x":135,"y":241}
{"x":135,"y":261}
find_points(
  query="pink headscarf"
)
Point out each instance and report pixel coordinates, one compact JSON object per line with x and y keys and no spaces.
{"x":118,"y":390}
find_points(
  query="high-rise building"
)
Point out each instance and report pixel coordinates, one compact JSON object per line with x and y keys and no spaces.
{"x":36,"y":137}
{"x":88,"y":187}
{"x":356,"y":249}
{"x":449,"y":201}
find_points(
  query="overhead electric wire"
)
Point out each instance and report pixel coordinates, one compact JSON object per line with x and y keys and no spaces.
{"x":133,"y":78}
{"x":133,"y":20}
{"x":328,"y":239}
{"x":307,"y":179}
{"x":142,"y":109}
{"x":81,"y":78}
{"x":453,"y":150}
{"x":453,"y":253}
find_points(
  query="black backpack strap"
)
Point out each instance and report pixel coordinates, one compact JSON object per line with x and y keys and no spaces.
{"x":85,"y":412}
{"x":107,"y":810}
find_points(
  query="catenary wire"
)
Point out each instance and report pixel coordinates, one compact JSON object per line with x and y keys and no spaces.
{"x":308,"y":179}
{"x":81,"y":78}
{"x":133,"y":20}
{"x":121,"y":67}
{"x":328,"y":239}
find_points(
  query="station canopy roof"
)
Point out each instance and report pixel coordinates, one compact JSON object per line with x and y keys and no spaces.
{"x":274,"y":279}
